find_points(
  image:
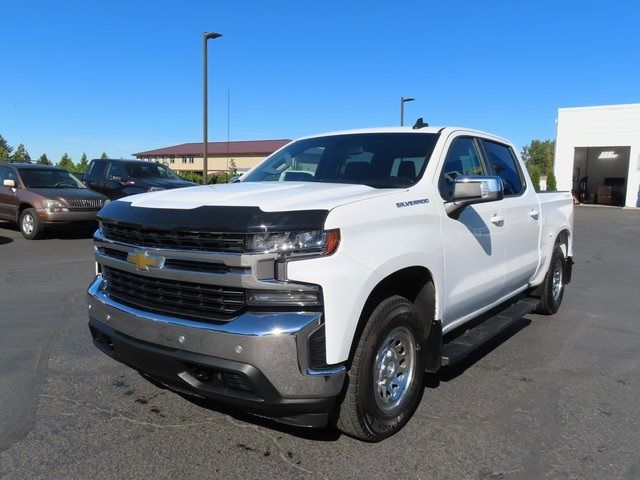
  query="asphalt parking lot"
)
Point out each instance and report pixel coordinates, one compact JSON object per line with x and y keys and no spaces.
{"x":556,"y":397}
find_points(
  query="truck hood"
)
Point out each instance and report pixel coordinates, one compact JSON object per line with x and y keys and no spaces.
{"x":268,"y":196}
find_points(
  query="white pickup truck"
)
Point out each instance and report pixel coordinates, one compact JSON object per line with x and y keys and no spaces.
{"x":323,"y":295}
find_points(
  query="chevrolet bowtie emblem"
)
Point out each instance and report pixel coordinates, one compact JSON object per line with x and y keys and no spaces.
{"x":143,"y":259}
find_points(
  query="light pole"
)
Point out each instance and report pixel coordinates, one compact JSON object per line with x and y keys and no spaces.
{"x":404,"y":100}
{"x":205,"y":36}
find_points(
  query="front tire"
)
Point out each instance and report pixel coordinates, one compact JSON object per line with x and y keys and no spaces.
{"x":385,"y":377}
{"x":29,"y":223}
{"x":553,"y":286}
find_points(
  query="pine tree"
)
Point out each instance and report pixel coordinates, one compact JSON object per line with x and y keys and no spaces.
{"x":104,"y":156}
{"x":534,"y":173}
{"x":66,"y":163}
{"x":551,"y":181}
{"x":5,"y":150}
{"x":20,"y":155}
{"x":44,"y":160}
{"x":84,"y":163}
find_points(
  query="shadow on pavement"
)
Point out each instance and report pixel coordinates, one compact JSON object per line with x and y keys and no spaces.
{"x":71,"y":232}
{"x":327,"y":434}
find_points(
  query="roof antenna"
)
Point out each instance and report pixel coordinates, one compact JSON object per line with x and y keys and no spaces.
{"x":419,"y":124}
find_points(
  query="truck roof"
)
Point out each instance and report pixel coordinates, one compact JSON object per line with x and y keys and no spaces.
{"x":430,"y":129}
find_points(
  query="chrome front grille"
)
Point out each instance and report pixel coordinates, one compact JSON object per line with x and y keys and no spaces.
{"x":200,"y":241}
{"x":86,"y":203}
{"x":172,"y":297}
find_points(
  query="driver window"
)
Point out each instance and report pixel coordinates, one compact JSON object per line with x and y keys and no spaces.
{"x":117,"y":170}
{"x":7,"y":173}
{"x":462,"y":159}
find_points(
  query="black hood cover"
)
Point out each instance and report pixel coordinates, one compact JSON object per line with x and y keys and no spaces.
{"x":212,"y":218}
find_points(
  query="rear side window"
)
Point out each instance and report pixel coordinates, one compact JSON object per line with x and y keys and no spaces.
{"x":462,"y":159}
{"x":503,"y":163}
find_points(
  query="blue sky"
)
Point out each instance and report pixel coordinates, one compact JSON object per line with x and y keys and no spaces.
{"x":123,"y":77}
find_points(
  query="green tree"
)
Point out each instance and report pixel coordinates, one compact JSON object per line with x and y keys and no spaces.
{"x":551,"y":181}
{"x":534,"y":173}
{"x":84,"y":163}
{"x":104,"y":156}
{"x":66,"y":163}
{"x":539,"y":153}
{"x":5,"y":150}
{"x":20,"y":155}
{"x":44,"y":160}
{"x":233,"y":169}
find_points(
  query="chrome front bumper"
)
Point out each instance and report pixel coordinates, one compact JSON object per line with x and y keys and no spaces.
{"x":273,"y":343}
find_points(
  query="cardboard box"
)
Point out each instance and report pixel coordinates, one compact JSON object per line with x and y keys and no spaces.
{"x":604,"y":199}
{"x":604,"y":190}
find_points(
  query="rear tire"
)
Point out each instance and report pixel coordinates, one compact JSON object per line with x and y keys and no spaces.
{"x":385,"y":378}
{"x":29,"y":223}
{"x":552,"y":289}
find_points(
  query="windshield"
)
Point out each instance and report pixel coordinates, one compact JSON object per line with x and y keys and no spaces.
{"x":149,"y":170}
{"x":48,"y":178}
{"x":379,"y":160}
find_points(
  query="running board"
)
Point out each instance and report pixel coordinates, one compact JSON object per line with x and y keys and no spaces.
{"x":460,"y":347}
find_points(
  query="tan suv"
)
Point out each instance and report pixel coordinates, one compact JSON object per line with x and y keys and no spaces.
{"x":38,"y":196}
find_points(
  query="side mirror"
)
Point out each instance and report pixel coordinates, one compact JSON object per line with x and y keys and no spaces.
{"x":115,"y":178}
{"x":469,"y":190}
{"x":9,"y":183}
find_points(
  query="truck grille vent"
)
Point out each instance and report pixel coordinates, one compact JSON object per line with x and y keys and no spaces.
{"x":318,"y":349}
{"x":205,"y":241}
{"x":84,"y":203}
{"x":172,"y":297}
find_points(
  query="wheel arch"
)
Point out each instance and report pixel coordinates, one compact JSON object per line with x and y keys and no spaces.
{"x":21,"y":208}
{"x":417,"y":284}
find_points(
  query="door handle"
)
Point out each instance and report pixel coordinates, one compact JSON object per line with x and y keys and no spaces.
{"x":497,"y":219}
{"x":533,"y":213}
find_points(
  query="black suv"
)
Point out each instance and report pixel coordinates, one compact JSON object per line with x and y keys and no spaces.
{"x":120,"y":178}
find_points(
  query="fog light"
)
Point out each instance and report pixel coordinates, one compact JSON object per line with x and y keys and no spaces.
{"x":263,"y":298}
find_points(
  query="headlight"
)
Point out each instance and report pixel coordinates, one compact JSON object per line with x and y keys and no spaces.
{"x":52,"y":206}
{"x":324,"y":242}
{"x":288,"y":298}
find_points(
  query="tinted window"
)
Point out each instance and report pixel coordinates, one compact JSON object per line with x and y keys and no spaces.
{"x":7,"y":173}
{"x":379,"y":160}
{"x":96,"y":171}
{"x":49,"y":178}
{"x":503,"y":163}
{"x":146,"y":170}
{"x":462,"y":159}
{"x":117,"y":170}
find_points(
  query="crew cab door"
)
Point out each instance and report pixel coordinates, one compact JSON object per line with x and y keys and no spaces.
{"x":521,"y":209}
{"x":474,"y":243}
{"x":9,"y":202}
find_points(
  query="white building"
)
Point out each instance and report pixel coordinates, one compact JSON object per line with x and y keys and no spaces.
{"x":598,"y":151}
